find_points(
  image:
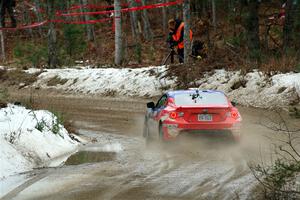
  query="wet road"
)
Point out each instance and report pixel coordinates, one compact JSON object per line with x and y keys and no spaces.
{"x":119,"y":165}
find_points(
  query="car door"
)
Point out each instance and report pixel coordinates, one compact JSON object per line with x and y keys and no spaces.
{"x":156,"y":113}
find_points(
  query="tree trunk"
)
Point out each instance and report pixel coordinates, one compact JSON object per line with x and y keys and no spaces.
{"x":52,"y":51}
{"x":214,"y":18}
{"x":198,"y":7}
{"x":2,"y":56}
{"x":118,"y":33}
{"x":288,"y":28}
{"x":89,"y":27}
{"x":297,"y":26}
{"x":252,"y":29}
{"x":204,"y":9}
{"x":148,"y":34}
{"x":135,"y":31}
{"x":38,"y":14}
{"x":133,"y":20}
{"x":164,"y":18}
{"x":26,"y":18}
{"x":187,"y":27}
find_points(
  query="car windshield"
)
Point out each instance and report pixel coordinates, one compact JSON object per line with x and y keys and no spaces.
{"x":200,"y":99}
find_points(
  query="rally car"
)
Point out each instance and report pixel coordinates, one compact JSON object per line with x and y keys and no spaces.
{"x":185,"y":111}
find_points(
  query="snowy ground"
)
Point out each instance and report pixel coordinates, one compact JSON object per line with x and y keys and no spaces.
{"x":253,"y":89}
{"x":30,"y":139}
{"x":109,"y":81}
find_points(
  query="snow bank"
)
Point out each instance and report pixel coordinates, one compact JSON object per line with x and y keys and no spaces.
{"x":252,"y":89}
{"x":29,"y":139}
{"x":255,"y":88}
{"x":110,"y":81}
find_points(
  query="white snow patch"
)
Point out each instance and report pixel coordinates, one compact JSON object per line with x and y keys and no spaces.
{"x":251,"y":89}
{"x":255,"y":88}
{"x":10,"y":183}
{"x":24,"y":145}
{"x":33,"y":70}
{"x":131,"y":82}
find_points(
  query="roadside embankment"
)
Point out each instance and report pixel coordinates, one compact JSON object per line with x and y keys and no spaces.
{"x":255,"y":88}
{"x":31,"y":139}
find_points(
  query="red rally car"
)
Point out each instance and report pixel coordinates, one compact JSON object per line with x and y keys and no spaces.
{"x":181,"y":111}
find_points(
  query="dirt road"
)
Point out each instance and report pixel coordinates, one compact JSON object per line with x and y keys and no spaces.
{"x":118,"y":165}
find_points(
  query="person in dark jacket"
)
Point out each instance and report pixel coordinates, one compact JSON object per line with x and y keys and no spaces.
{"x":176,"y":34}
{"x":8,"y":5}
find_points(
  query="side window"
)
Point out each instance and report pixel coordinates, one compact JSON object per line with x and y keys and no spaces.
{"x":162,"y":101}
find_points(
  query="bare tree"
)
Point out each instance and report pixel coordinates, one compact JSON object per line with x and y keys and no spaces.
{"x":26,"y":17}
{"x":134,"y":21}
{"x":118,"y":33}
{"x":288,"y":29}
{"x":2,"y":56}
{"x":252,"y":27}
{"x":148,"y":34}
{"x":52,"y":49}
{"x":136,"y":33}
{"x":214,"y":18}
{"x":164,"y":18}
{"x":186,"y":38}
{"x":38,"y":14}
{"x":89,"y":27}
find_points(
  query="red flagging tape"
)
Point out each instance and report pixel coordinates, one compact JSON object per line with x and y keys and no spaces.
{"x":94,"y":13}
{"x":90,"y":6}
{"x":27,"y":26}
{"x":159,"y":5}
{"x":76,"y":7}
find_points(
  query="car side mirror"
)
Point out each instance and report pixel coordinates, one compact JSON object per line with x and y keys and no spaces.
{"x":151,"y":105}
{"x":233,"y":103}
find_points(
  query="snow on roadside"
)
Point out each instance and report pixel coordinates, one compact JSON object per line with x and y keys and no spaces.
{"x":131,"y":82}
{"x":255,"y":88}
{"x":29,"y":139}
{"x":252,"y":89}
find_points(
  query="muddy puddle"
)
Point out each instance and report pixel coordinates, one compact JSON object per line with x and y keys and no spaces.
{"x":83,"y":157}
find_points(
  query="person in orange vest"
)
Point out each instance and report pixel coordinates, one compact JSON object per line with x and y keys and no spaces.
{"x":8,"y":5}
{"x":176,"y":34}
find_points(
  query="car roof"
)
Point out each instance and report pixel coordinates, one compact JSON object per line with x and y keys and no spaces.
{"x":191,"y":91}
